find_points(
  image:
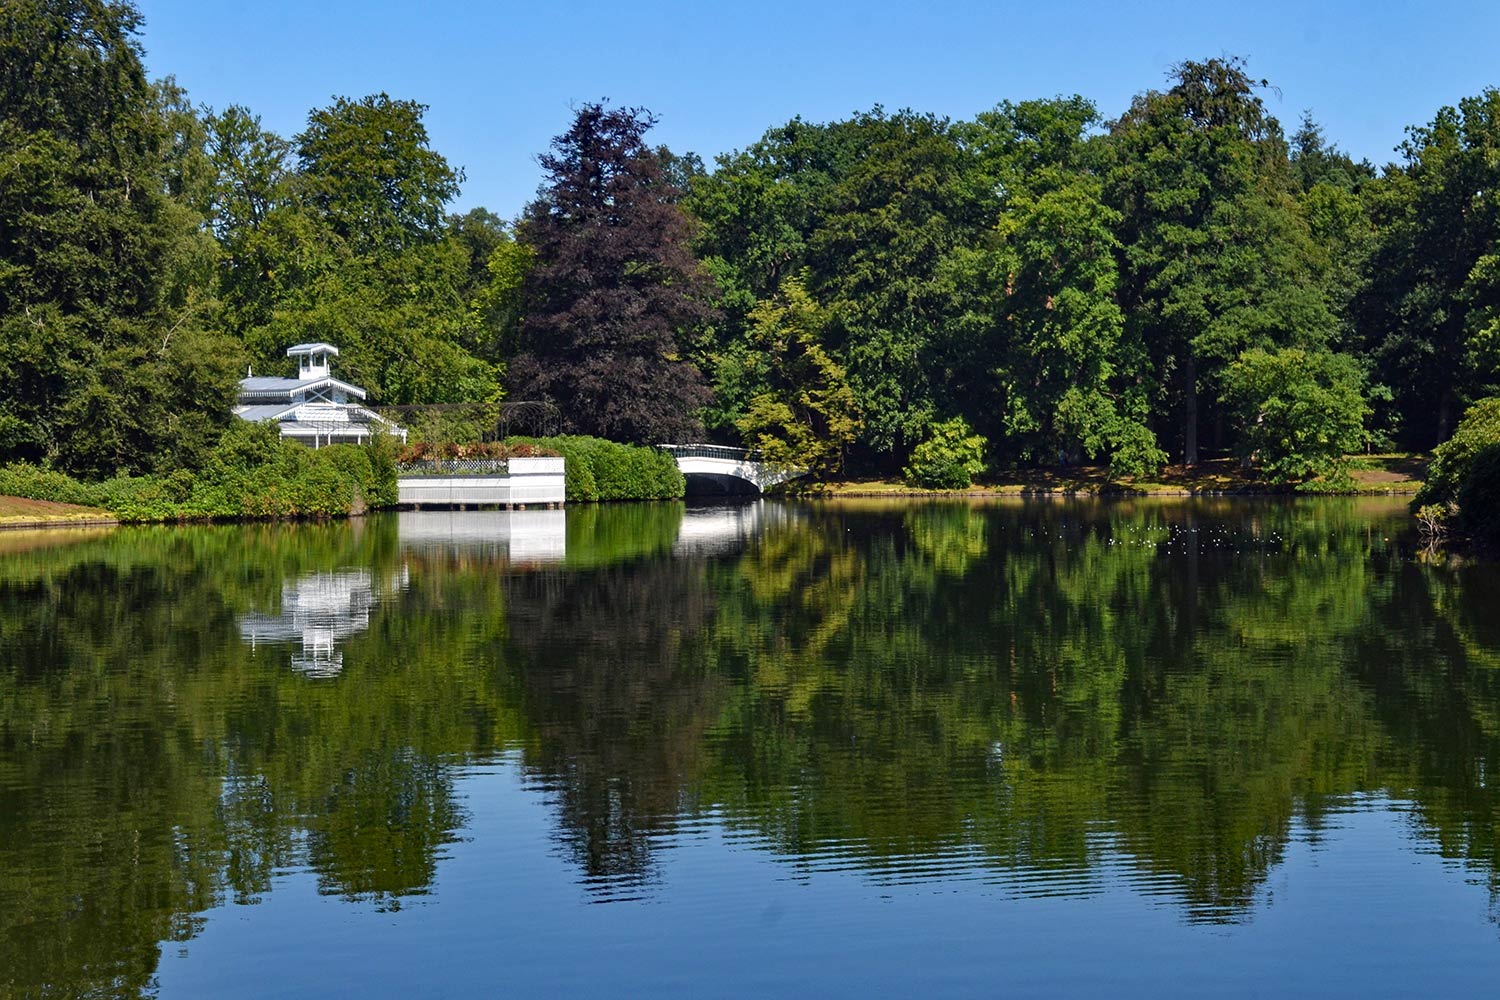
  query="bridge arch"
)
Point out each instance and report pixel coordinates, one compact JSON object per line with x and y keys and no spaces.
{"x":718,"y":470}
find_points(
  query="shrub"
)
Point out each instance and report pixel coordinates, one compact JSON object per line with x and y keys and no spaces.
{"x":22,"y":479}
{"x":949,"y":459}
{"x":1133,"y":450}
{"x":1479,"y":495}
{"x":605,"y":470}
{"x":1478,"y":430}
{"x":251,"y":473}
{"x":1299,"y":412}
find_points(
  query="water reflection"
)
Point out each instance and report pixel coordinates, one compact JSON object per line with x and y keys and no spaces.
{"x":517,"y":537}
{"x":1040,"y":699}
{"x":318,"y":610}
{"x":716,"y":529}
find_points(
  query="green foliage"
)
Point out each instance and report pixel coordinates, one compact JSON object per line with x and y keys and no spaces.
{"x":597,"y":469}
{"x":948,"y":459}
{"x":106,"y":362}
{"x":1298,"y":413}
{"x":1479,"y":495}
{"x":251,"y":473}
{"x":1075,"y":289}
{"x":1451,"y":461}
{"x":22,"y":479}
{"x":365,"y":166}
{"x":1133,"y":451}
{"x":806,"y":416}
{"x":1216,"y":257}
{"x":1432,"y":288}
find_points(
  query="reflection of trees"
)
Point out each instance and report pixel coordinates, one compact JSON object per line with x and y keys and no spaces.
{"x":1174,"y":676}
{"x":615,"y":687}
{"x":151,"y":767}
{"x":1436,"y":690}
{"x":902,"y":689}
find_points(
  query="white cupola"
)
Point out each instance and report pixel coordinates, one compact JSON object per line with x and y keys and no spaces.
{"x":313,"y":360}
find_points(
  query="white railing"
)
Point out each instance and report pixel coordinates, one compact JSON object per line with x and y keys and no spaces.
{"x":455,"y":467}
{"x":719,"y":451}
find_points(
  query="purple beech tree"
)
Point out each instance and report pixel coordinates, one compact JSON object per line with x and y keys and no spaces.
{"x":613,"y":287}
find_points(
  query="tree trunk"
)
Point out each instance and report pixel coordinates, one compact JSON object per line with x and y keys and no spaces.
{"x":1446,"y":406}
{"x":1190,"y":411}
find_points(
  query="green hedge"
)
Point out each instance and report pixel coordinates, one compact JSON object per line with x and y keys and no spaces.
{"x":1479,"y":495}
{"x":605,"y":470}
{"x":1478,"y":430}
{"x":251,"y":473}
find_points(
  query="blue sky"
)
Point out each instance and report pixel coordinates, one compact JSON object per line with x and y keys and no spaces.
{"x":500,"y":78}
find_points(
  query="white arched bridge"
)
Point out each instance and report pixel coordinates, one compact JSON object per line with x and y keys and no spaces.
{"x":718,"y":469}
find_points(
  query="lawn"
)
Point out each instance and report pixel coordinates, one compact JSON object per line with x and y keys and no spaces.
{"x":18,"y":510}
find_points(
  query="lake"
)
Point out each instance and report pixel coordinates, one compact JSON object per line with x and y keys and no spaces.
{"x":1023,"y":748}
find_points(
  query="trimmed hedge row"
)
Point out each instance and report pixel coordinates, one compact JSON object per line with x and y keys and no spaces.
{"x":251,"y":473}
{"x":605,"y":470}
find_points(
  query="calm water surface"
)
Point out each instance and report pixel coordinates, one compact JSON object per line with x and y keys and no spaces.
{"x":1138,"y":748}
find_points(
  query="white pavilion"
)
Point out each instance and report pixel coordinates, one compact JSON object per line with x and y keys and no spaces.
{"x":314,"y":408}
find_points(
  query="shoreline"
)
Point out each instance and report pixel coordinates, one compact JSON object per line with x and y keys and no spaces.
{"x":98,"y":522}
{"x":1369,"y":475}
{"x":914,"y":493}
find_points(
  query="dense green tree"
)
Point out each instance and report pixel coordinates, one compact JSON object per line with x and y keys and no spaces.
{"x":1433,"y":288}
{"x":365,"y":166}
{"x":1298,"y":412}
{"x":870,"y":209}
{"x":351,"y":246}
{"x":1066,"y":375}
{"x":1215,"y":255}
{"x":1315,"y":161}
{"x":105,"y":363}
{"x":498,"y":300}
{"x":1478,"y":431}
{"x":757,"y":210}
{"x":806,"y":415}
{"x":614,"y":289}
{"x":1073,"y":294}
{"x":899,"y":209}
{"x":948,"y":458}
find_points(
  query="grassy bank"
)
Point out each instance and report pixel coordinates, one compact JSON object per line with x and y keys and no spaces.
{"x":23,"y":512}
{"x":1373,"y":474}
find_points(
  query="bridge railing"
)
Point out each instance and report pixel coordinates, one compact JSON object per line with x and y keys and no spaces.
{"x":718,"y":451}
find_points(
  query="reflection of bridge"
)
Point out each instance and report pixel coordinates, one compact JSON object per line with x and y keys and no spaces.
{"x":713,"y":468}
{"x":719,"y":530}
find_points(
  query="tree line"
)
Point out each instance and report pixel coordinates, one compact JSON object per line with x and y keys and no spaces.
{"x":1181,"y":281}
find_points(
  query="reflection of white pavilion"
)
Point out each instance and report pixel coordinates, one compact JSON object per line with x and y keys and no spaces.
{"x":318,"y":611}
